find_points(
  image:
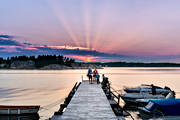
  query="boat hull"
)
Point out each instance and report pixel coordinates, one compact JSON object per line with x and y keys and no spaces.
{"x":162,"y":91}
{"x":149,"y":116}
{"x":144,"y":114}
{"x":20,"y":117}
{"x":131,"y":98}
{"x":18,"y":110}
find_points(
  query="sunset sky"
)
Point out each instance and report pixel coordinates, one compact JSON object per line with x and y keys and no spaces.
{"x":92,"y":30}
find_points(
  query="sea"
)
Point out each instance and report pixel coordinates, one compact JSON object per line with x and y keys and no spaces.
{"x":48,"y":88}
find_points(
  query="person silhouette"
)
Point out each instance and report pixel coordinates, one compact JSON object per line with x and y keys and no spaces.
{"x":89,"y":74}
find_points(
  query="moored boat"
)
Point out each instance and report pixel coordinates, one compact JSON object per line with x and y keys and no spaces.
{"x":130,"y":98}
{"x":20,"y":117}
{"x":144,"y":102}
{"x":149,"y":89}
{"x":18,"y":110}
{"x":165,"y":109}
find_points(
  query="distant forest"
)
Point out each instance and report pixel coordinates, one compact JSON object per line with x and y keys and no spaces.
{"x":41,"y":60}
{"x":134,"y":64}
{"x":44,"y":60}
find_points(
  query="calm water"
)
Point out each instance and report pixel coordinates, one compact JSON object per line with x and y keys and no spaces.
{"x":43,"y":87}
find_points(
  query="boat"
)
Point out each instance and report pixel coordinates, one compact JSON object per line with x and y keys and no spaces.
{"x":20,"y":117}
{"x":149,"y":89}
{"x":144,"y":102}
{"x":18,"y":110}
{"x":161,"y":109}
{"x":130,"y":98}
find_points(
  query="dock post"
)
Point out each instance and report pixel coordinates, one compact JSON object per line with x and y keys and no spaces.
{"x":109,"y":91}
{"x":118,"y":99}
{"x":82,"y":78}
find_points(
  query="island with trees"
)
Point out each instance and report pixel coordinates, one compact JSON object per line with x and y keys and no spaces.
{"x":58,"y":62}
{"x":44,"y":62}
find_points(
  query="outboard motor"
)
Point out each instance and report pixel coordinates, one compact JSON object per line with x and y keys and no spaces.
{"x":167,"y":88}
{"x":153,"y":89}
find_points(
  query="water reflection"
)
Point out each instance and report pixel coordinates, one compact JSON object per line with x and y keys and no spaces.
{"x":43,"y":87}
{"x":165,"y":69}
{"x":13,"y":92}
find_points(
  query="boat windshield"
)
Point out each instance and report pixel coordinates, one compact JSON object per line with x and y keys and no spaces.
{"x":149,"y":105}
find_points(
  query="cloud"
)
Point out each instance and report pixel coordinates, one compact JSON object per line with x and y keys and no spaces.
{"x":10,"y":47}
{"x":6,"y":40}
{"x":6,"y":36}
{"x":78,"y":52}
{"x":9,"y":42}
{"x":27,"y":44}
{"x":2,"y":48}
{"x":93,"y":55}
{"x":85,"y":55}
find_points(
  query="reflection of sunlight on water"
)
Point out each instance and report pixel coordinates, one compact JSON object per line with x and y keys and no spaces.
{"x":43,"y":87}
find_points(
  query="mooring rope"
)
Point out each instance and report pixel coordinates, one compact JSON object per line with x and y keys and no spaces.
{"x":51,"y":105}
{"x":117,"y":91}
{"x":48,"y":108}
{"x":129,"y":114}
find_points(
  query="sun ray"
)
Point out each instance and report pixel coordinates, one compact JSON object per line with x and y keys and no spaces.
{"x":100,"y":22}
{"x":59,"y":14}
{"x":87,"y":22}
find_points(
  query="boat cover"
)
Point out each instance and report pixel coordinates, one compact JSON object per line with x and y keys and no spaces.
{"x":170,"y":106}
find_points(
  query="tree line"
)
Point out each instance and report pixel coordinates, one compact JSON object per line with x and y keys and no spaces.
{"x":41,"y":60}
{"x":134,"y":64}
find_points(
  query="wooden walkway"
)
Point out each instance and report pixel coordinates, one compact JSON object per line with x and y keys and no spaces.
{"x":88,"y":103}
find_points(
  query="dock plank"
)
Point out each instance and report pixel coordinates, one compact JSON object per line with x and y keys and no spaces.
{"x":88,"y":103}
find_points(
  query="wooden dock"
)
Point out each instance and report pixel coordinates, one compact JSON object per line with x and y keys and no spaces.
{"x":88,"y":103}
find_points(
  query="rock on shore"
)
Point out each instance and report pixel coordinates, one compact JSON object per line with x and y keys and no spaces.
{"x":22,"y":65}
{"x":55,"y":67}
{"x":73,"y":66}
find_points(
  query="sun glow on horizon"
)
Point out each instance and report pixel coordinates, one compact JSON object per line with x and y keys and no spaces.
{"x":68,"y":47}
{"x":87,"y":58}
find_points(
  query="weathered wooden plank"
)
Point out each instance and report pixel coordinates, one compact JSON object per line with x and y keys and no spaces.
{"x":88,"y":103}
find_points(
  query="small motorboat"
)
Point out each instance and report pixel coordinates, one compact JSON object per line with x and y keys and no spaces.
{"x":18,"y":110}
{"x":144,"y":102}
{"x":149,"y":89}
{"x":130,"y":98}
{"x":161,"y":109}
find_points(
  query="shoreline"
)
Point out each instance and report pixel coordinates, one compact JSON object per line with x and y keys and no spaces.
{"x":68,"y":68}
{"x":86,"y":68}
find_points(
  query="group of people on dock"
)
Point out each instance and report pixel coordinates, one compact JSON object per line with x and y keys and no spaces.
{"x":93,"y":75}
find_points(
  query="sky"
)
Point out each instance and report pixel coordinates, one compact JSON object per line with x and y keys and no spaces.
{"x":92,"y":30}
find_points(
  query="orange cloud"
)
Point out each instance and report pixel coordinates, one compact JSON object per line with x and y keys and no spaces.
{"x":68,"y":47}
{"x":30,"y":48}
{"x":84,"y":58}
